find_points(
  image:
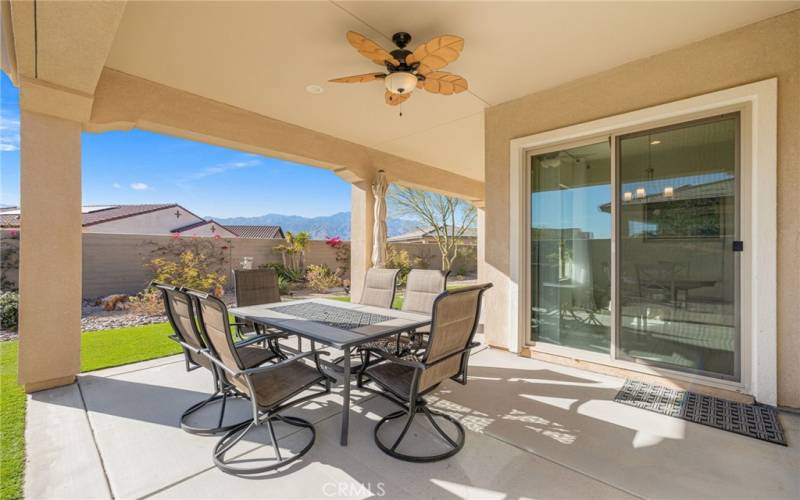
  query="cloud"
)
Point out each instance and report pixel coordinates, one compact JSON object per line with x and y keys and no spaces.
{"x":116,"y":185}
{"x":139,"y":186}
{"x":9,"y":135}
{"x":224,"y":167}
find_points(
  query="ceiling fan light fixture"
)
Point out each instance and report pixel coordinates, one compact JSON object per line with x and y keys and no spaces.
{"x":401,"y":82}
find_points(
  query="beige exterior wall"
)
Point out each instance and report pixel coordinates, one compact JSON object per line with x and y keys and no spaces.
{"x":159,"y":222}
{"x":763,"y":50}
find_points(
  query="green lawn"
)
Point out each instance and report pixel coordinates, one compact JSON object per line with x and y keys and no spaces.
{"x":101,"y":349}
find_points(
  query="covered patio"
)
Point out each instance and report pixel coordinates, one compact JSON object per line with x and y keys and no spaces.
{"x":540,"y":416}
{"x":534,"y":430}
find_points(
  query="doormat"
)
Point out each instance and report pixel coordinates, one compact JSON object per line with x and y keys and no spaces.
{"x":754,"y":420}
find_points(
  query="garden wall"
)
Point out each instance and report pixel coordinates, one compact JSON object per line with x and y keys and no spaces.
{"x":116,"y":263}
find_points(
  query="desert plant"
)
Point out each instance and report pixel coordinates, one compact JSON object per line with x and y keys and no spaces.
{"x":9,"y":310}
{"x":321,"y":278}
{"x":148,"y":302}
{"x":283,"y":272}
{"x":293,"y":252}
{"x":400,"y":259}
{"x":448,"y":218}
{"x":189,"y":270}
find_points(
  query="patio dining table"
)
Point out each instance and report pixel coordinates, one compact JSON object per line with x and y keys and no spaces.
{"x":341,"y":325}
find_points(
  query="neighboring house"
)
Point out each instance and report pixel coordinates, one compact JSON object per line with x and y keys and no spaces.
{"x":214,"y":228}
{"x":470,"y":236}
{"x":166,"y":218}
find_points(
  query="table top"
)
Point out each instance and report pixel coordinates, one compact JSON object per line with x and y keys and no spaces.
{"x":331,"y":322}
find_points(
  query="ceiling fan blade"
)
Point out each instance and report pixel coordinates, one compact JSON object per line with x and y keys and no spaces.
{"x":370,"y":49}
{"x":442,"y":82}
{"x":368,"y":77}
{"x":437,"y":53}
{"x":393,"y":99}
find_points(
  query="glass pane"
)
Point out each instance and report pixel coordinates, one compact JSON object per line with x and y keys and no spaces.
{"x":677,"y":226}
{"x":571,"y":247}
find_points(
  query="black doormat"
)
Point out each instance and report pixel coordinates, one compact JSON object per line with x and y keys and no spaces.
{"x":754,"y":420}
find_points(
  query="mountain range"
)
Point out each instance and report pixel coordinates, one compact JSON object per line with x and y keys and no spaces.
{"x":321,"y":227}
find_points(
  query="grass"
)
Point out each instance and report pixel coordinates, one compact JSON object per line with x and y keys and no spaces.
{"x":12,"y":424}
{"x":101,"y":349}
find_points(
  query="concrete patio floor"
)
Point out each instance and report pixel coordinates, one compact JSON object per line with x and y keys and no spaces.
{"x":535,"y":430}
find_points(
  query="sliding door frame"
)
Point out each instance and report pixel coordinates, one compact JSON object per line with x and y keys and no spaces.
{"x":757,"y":105}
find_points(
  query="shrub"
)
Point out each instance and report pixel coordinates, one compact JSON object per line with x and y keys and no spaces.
{"x":9,"y":310}
{"x":191,"y":270}
{"x":321,"y":278}
{"x":399,"y":259}
{"x":287,"y":274}
{"x":148,"y":302}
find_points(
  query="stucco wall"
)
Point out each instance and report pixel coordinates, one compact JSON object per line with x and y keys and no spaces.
{"x":159,"y":222}
{"x":205,"y":230}
{"x":763,"y":50}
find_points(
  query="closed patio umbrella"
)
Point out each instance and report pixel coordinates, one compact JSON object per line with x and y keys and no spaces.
{"x":379,"y":187}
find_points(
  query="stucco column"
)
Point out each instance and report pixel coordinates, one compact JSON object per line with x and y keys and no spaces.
{"x":481,"y":256}
{"x":361,"y":224}
{"x":50,"y":251}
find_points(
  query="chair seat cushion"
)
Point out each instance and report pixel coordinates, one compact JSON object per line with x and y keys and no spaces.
{"x":393,"y":377}
{"x":253,"y":355}
{"x":274,"y":386}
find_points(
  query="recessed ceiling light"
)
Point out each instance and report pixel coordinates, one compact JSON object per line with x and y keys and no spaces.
{"x":656,"y":142}
{"x":314,"y":89}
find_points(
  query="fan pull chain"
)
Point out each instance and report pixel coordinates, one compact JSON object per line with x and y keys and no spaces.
{"x":401,"y":109}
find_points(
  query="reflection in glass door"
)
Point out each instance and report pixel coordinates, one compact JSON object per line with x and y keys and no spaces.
{"x":571,"y":247}
{"x":676,"y":264}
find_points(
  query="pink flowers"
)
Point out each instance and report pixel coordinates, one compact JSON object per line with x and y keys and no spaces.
{"x":334,"y":242}
{"x":176,"y":235}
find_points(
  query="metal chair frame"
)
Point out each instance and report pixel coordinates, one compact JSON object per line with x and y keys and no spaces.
{"x":414,"y":402}
{"x":261,"y":415}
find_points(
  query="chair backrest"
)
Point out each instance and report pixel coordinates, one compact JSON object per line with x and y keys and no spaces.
{"x":455,"y":319}
{"x":256,"y":286}
{"x":422,"y":288}
{"x":181,"y":315}
{"x":379,"y":287}
{"x":213,"y":318}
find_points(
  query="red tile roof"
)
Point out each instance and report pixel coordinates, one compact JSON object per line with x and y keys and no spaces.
{"x":101,"y":214}
{"x":265,"y":232}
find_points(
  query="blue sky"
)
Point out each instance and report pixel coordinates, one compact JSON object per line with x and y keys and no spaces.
{"x":142,"y":167}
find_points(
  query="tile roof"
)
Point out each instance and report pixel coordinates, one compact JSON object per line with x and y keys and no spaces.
{"x":265,"y":232}
{"x":419,"y":234}
{"x":90,"y":217}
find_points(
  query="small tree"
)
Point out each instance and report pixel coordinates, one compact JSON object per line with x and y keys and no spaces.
{"x":295,"y":250}
{"x":449,"y":218}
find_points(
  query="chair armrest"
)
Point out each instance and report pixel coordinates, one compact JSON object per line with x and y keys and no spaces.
{"x":394,"y":359}
{"x":251,"y":340}
{"x":185,"y":345}
{"x":296,"y":357}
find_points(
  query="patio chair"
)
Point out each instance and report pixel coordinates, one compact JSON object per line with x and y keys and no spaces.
{"x":270,"y":388}
{"x":180,"y":312}
{"x":422,"y":288}
{"x":405,"y":381}
{"x":380,"y":286}
{"x":253,"y":287}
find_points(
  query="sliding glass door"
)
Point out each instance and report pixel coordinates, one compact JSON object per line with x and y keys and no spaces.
{"x":672,"y":281}
{"x":571,"y":247}
{"x":676,"y":260}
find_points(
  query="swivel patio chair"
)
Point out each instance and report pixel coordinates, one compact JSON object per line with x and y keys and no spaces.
{"x":422,"y":288}
{"x":270,"y":389}
{"x":253,"y":287}
{"x":407,"y":380}
{"x":380,"y":287}
{"x":180,"y":312}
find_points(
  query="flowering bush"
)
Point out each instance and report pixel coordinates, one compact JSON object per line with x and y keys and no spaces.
{"x":321,"y":278}
{"x":342,"y":253}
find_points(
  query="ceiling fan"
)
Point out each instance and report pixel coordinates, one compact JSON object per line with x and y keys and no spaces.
{"x":407,"y":70}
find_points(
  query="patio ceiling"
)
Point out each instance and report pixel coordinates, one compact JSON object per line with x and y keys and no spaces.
{"x":261,"y":56}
